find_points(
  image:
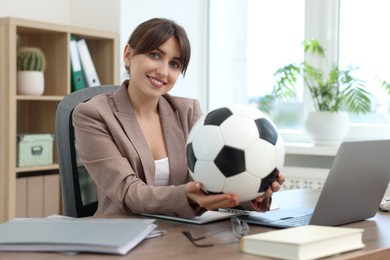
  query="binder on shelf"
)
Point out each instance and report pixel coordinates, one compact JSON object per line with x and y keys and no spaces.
{"x":87,"y":64}
{"x":77,"y":74}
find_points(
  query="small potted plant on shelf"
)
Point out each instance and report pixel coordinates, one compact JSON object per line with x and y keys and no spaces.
{"x":31,"y":64}
{"x":334,"y":92}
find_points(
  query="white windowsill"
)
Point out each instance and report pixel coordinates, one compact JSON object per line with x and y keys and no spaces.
{"x":297,"y":142}
{"x":310,"y":149}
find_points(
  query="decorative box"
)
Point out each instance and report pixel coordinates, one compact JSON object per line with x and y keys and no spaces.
{"x":34,"y":149}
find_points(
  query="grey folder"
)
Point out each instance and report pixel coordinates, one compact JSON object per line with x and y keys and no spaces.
{"x":113,"y":236}
{"x":352,"y":192}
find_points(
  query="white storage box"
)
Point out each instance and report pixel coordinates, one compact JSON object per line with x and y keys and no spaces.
{"x":34,"y":149}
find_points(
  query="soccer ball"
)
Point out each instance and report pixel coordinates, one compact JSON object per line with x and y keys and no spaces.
{"x":236,"y":150}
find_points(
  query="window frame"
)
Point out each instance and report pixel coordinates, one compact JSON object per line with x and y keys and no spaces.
{"x":321,"y":22}
{"x":323,"y":18}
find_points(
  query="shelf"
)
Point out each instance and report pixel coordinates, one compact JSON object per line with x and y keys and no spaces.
{"x":39,"y":98}
{"x":25,"y":114}
{"x":37,"y":168}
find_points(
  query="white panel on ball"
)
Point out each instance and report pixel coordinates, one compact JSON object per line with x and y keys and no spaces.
{"x":208,"y":174}
{"x":239,"y":132}
{"x":260,"y":158}
{"x":244,"y":185}
{"x":208,"y":142}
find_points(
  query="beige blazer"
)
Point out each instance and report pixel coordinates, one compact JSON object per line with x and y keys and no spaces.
{"x":113,"y":149}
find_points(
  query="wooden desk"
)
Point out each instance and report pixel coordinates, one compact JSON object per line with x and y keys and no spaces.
{"x":174,"y":245}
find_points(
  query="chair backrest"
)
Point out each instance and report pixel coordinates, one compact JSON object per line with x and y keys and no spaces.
{"x":79,"y":198}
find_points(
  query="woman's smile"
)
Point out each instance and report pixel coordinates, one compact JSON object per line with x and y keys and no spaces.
{"x":155,"y":82}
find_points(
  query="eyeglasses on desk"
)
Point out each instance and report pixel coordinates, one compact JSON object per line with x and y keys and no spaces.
{"x":238,"y":228}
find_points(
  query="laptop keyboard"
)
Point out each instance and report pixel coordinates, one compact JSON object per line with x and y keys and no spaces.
{"x":294,"y":221}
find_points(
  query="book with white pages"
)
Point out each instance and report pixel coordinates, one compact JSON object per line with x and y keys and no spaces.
{"x":304,"y":242}
{"x":94,"y":235}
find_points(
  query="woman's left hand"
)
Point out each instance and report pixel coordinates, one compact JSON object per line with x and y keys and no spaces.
{"x":263,"y":202}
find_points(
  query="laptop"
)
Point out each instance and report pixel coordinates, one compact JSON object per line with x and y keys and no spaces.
{"x":352,"y":192}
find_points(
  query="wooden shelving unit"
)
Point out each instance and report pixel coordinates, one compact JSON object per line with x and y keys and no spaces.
{"x":36,"y":114}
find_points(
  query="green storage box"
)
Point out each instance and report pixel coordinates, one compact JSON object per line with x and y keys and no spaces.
{"x":34,"y":149}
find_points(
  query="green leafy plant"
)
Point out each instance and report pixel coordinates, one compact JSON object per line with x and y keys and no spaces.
{"x":331,"y":88}
{"x":386,"y":86}
{"x":31,"y":58}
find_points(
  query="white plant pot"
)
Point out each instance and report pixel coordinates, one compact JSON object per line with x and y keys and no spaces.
{"x":31,"y":83}
{"x":327,"y":128}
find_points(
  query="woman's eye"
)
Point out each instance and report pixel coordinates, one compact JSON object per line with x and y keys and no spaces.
{"x":154,"y":55}
{"x":175,"y":64}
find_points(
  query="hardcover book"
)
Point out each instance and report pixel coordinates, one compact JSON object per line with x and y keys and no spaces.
{"x":304,"y":242}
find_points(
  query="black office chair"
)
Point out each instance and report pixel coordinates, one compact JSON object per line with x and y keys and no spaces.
{"x":79,"y":197}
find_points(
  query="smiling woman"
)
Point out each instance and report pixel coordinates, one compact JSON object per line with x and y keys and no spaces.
{"x":132,"y":141}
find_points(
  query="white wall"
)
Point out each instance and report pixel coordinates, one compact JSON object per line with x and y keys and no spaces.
{"x":193,"y":16}
{"x":94,"y":14}
{"x":122,"y":16}
{"x":44,"y":10}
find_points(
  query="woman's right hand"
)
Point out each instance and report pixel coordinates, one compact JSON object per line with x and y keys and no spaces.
{"x":210,"y":202}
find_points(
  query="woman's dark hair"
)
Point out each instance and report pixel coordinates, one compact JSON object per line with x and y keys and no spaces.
{"x":153,"y":33}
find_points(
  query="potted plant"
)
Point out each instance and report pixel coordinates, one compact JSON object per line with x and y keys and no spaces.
{"x":31,"y":64}
{"x":334,"y":92}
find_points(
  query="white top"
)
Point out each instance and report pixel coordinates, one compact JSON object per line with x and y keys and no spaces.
{"x":161,"y":177}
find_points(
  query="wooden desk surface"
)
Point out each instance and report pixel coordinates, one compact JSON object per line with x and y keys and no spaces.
{"x":174,"y":245}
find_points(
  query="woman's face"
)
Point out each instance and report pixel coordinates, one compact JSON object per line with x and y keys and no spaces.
{"x":154,"y":73}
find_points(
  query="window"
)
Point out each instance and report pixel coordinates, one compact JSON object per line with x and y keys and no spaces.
{"x":250,"y":40}
{"x":364,"y":43}
{"x":275,"y":34}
